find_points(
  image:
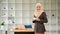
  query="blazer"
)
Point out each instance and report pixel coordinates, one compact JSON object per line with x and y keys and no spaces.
{"x":39,"y":25}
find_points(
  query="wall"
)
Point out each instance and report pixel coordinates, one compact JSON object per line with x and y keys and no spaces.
{"x":22,"y":11}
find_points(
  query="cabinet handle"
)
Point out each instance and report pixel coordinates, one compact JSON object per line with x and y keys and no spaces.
{"x":53,"y":15}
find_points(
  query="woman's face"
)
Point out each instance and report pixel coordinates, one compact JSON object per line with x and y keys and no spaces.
{"x":38,"y":7}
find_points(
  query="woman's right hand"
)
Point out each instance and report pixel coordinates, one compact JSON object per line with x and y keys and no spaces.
{"x":37,"y":19}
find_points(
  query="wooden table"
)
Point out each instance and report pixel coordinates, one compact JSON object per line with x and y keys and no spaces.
{"x":25,"y":31}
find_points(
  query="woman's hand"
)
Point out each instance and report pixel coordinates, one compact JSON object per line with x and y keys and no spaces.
{"x":37,"y":19}
{"x":34,"y":18}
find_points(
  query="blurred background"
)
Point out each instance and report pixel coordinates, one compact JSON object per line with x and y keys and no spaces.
{"x":15,"y":12}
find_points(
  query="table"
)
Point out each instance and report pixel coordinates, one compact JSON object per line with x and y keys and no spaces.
{"x":25,"y":31}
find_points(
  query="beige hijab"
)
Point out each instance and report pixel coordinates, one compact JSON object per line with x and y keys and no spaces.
{"x":38,"y":13}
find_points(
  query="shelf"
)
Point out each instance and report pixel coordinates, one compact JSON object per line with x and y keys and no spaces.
{"x":4,"y":9}
{"x":18,"y":16}
{"x":18,"y":1}
{"x":11,"y":1}
{"x":4,"y":1}
{"x":25,"y":3}
{"x":11,"y":16}
{"x":3,"y":16}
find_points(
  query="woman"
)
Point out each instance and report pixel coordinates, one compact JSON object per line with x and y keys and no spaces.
{"x":39,"y":19}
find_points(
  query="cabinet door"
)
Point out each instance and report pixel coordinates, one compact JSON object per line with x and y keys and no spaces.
{"x":53,"y":22}
{"x":58,"y":16}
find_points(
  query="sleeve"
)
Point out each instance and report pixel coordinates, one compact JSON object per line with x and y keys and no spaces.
{"x":44,"y":19}
{"x":34,"y":21}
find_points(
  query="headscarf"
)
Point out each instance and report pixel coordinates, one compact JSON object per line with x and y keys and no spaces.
{"x":38,"y":13}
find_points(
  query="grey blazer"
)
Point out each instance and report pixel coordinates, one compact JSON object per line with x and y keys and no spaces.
{"x":39,"y":25}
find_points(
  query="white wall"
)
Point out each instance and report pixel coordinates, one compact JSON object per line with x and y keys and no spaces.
{"x":22,"y":11}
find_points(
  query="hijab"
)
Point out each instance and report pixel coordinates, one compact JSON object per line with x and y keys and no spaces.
{"x":38,"y":13}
